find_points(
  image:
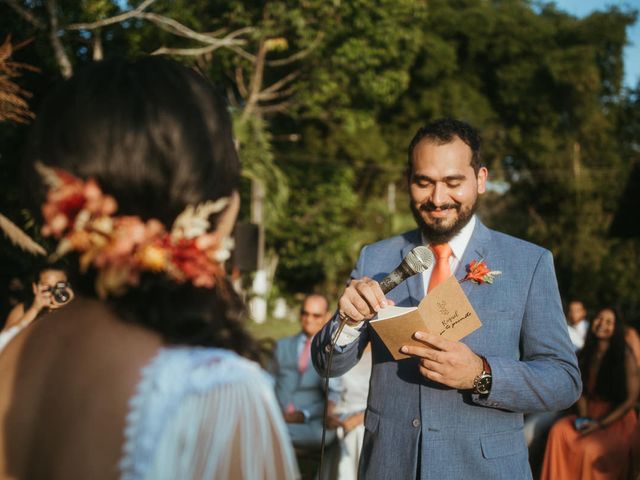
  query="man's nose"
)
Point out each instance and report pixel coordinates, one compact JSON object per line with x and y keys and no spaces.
{"x":438,"y":196}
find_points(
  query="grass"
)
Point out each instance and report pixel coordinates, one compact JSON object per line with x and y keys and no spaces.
{"x":273,"y":329}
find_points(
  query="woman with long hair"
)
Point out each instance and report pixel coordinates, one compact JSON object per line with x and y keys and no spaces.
{"x":149,"y":372}
{"x":596,"y":443}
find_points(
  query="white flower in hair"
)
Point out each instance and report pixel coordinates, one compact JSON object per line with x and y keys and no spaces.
{"x":194,"y":221}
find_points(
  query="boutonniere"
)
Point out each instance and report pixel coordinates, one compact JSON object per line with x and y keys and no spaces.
{"x":478,"y":272}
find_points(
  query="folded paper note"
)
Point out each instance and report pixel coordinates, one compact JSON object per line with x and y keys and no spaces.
{"x":446,"y":311}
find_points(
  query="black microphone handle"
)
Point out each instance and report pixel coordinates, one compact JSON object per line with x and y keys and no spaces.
{"x":395,"y":278}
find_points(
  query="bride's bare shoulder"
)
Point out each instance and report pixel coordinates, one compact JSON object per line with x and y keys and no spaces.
{"x":84,"y":336}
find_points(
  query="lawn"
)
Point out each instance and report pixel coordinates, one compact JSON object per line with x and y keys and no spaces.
{"x":273,"y":329}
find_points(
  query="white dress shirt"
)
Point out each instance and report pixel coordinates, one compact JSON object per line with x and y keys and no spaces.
{"x":578,"y":333}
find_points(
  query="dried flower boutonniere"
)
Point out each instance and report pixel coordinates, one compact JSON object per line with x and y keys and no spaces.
{"x":478,"y":272}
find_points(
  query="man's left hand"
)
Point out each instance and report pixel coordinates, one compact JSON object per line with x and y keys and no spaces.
{"x":293,"y":417}
{"x":444,"y":361}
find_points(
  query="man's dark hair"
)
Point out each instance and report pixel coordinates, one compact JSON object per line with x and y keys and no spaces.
{"x":443,"y":131}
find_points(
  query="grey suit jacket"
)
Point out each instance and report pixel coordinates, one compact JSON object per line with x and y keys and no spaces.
{"x":304,"y":391}
{"x":415,"y":425}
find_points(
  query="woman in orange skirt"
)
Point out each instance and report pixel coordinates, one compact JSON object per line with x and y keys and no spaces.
{"x":596,"y":444}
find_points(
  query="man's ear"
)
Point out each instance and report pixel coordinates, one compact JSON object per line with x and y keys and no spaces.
{"x":483,"y":173}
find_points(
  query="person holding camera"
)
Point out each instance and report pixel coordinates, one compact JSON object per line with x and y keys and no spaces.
{"x":51,"y":291}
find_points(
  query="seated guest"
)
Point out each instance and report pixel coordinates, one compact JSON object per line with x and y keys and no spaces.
{"x":577,"y":323}
{"x":147,"y":373}
{"x":347,"y":418}
{"x":597,"y":442}
{"x":299,"y":388}
{"x":50,"y":291}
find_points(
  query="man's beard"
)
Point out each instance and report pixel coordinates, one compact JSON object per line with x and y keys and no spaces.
{"x":439,"y":233}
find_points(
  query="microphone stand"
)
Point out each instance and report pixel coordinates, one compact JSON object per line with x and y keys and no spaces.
{"x":332,"y":346}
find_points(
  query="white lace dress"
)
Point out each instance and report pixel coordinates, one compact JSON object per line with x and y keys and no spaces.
{"x":205,"y":413}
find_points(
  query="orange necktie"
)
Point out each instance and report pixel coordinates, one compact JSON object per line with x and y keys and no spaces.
{"x":441,"y":270}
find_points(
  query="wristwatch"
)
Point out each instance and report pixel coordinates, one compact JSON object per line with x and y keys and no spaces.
{"x":482,"y":383}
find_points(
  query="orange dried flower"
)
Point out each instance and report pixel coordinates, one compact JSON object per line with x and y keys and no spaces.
{"x":82,"y":217}
{"x":478,"y":272}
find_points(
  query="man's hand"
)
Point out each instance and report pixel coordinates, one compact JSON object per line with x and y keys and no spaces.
{"x":443,"y":361}
{"x":352,"y":421}
{"x":294,"y":417}
{"x":361,"y":300}
{"x":333,"y":421}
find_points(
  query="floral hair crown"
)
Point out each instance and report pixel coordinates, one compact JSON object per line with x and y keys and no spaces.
{"x":83,"y":218}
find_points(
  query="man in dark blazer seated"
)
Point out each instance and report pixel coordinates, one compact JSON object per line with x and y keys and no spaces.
{"x":454,"y":410}
{"x":299,"y":388}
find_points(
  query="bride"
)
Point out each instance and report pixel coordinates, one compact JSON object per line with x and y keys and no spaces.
{"x":149,"y":372}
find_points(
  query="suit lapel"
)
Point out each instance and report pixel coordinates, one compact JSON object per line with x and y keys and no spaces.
{"x":477,"y":249}
{"x":414,"y":283}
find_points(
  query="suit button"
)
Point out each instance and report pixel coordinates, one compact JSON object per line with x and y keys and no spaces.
{"x":327,"y":348}
{"x":415,"y":422}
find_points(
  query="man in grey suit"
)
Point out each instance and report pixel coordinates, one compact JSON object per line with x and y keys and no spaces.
{"x":454,"y":410}
{"x":299,"y":389}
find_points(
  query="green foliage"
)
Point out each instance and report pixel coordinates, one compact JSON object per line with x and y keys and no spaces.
{"x":312,"y":241}
{"x":256,"y":155}
{"x":543,"y":86}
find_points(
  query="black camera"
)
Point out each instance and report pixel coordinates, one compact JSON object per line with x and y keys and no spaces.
{"x":60,"y":292}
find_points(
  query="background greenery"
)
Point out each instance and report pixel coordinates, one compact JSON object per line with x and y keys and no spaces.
{"x":327,"y":94}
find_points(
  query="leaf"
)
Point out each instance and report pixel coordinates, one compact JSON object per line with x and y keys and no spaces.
{"x":19,"y":238}
{"x":48,"y":175}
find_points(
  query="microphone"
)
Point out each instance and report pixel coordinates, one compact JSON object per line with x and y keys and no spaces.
{"x":417,"y":261}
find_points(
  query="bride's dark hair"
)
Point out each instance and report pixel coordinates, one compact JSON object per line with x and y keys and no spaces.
{"x":157,"y":137}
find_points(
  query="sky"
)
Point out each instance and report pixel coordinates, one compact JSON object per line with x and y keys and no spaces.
{"x":581,"y":8}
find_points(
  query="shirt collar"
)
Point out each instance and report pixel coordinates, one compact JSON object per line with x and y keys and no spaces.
{"x":459,"y":243}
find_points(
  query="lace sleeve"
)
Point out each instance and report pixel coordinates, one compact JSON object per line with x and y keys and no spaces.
{"x":231,"y":429}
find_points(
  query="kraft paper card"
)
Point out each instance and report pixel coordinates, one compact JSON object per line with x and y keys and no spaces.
{"x":446,"y":311}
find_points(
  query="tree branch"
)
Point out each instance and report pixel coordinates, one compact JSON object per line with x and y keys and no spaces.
{"x":96,"y":46}
{"x":111,"y":20}
{"x":242,"y":53}
{"x":265,"y":96}
{"x":299,"y":55}
{"x":275,"y":108}
{"x":186,"y":51}
{"x":58,"y":49}
{"x":255,"y":84}
{"x":242,"y":87}
{"x":282,"y":82}
{"x":26,"y":14}
{"x":172,"y":26}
